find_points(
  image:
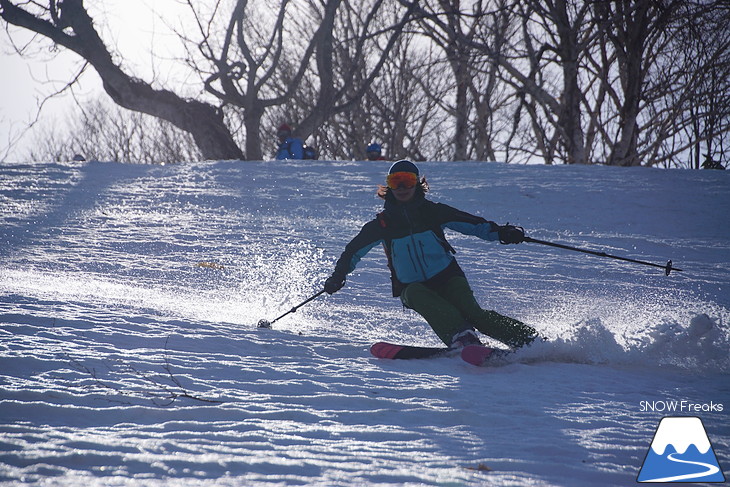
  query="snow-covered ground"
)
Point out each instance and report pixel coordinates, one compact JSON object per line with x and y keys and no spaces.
{"x":129,"y":354}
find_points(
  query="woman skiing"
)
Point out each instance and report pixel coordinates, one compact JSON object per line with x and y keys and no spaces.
{"x":424,"y":272}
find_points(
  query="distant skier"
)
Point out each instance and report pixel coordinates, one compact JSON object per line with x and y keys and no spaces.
{"x":374,"y":152}
{"x":424,"y":272}
{"x":289,"y":147}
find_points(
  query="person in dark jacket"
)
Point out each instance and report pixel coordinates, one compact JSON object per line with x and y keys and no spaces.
{"x":424,"y":272}
{"x":289,"y":147}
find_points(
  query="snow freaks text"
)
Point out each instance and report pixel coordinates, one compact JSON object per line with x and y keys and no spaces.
{"x":675,"y":406}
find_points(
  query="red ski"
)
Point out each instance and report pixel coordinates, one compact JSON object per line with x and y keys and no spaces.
{"x":391,"y":350}
{"x":473,"y":354}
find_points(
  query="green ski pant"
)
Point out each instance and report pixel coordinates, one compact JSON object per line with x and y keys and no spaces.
{"x":451,"y":308}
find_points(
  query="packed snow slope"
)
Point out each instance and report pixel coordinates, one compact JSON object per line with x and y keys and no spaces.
{"x":129,"y":355}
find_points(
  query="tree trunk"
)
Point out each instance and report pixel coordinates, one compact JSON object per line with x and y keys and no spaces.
{"x":570,"y":110}
{"x":631,"y":30}
{"x":252,"y":122}
{"x":462,"y":120}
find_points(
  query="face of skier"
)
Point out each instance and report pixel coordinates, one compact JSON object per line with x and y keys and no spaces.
{"x":403,"y":194}
{"x":403,"y":185}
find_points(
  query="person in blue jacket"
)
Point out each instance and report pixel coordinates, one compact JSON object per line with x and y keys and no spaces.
{"x":374,"y":152}
{"x":424,"y":272}
{"x":289,"y":147}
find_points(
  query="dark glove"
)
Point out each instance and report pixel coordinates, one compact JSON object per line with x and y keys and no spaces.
{"x":510,"y":234}
{"x":334,"y":283}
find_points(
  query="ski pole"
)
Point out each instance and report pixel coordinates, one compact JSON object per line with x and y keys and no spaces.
{"x":267,"y":324}
{"x":667,"y":268}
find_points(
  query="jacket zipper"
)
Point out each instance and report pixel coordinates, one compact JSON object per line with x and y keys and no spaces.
{"x":423,"y":254}
{"x":418,"y":265}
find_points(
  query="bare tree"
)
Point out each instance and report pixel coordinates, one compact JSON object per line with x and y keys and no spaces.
{"x":633,"y":74}
{"x":689,"y":108}
{"x":453,"y":33}
{"x":491,"y":95}
{"x":400,"y":109}
{"x":252,"y":66}
{"x":622,"y":82}
{"x":106,"y":132}
{"x":303,"y":61}
{"x":541,"y":64}
{"x":471,"y":97}
{"x":556,"y":34}
{"x":68,"y":24}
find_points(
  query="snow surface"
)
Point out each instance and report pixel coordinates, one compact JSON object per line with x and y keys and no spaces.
{"x":129,"y":354}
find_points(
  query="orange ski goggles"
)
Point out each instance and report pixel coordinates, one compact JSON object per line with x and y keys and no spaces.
{"x":402,"y":179}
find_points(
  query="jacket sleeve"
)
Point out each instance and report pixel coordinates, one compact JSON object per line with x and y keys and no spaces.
{"x":468,"y":224}
{"x":291,"y":148}
{"x":370,"y":235}
{"x":296,"y":149}
{"x":282,"y":152}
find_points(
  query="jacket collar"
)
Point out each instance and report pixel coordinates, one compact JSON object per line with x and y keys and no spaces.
{"x":395,"y":209}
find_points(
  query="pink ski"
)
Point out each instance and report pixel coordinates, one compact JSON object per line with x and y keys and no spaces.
{"x":473,"y":354}
{"x":476,"y":354}
{"x":393,"y":351}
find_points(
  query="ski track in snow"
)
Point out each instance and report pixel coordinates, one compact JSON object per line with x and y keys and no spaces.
{"x":125,"y":360}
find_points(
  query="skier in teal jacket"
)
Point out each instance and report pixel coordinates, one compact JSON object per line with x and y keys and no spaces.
{"x":424,"y":272}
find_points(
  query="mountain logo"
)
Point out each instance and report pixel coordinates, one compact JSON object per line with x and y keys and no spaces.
{"x":680,"y":452}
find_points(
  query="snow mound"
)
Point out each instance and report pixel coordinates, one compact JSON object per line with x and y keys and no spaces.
{"x":700,"y":345}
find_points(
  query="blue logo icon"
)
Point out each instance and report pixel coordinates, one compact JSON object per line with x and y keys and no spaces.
{"x":680,"y":452}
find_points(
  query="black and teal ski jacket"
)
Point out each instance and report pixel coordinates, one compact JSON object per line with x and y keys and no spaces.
{"x":413,"y":237}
